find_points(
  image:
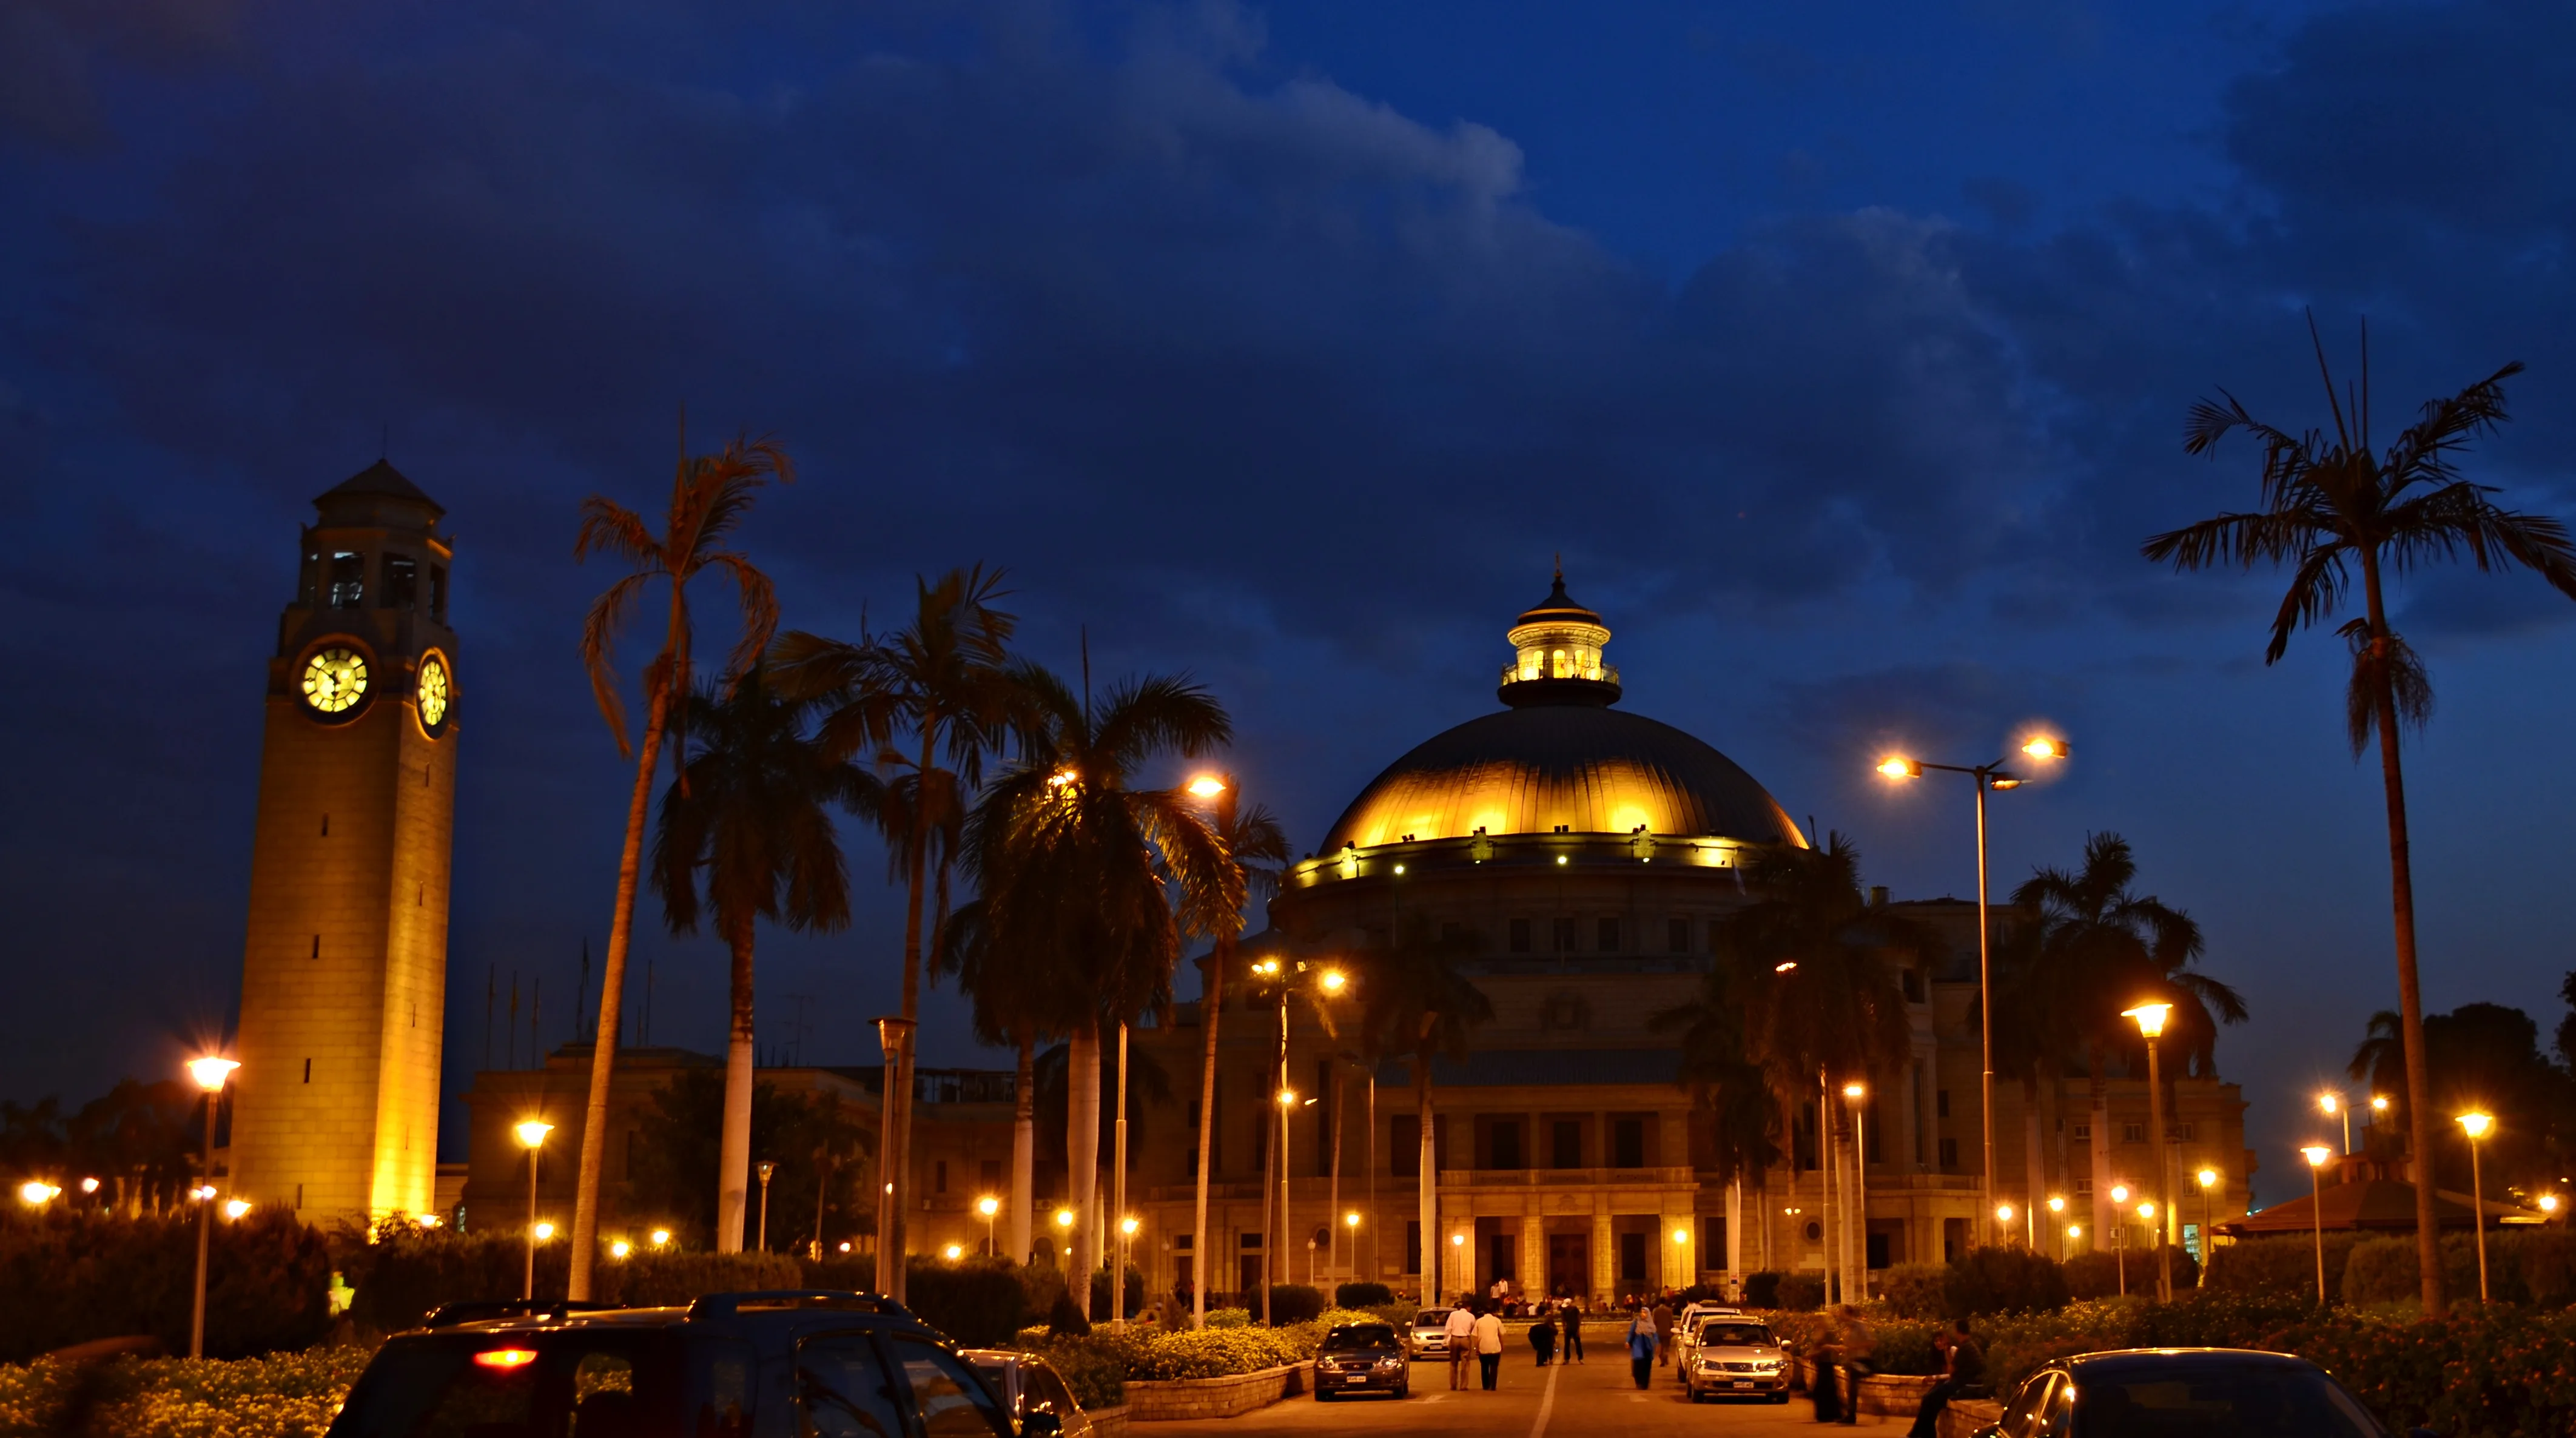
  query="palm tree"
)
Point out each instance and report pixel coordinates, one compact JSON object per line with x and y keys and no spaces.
{"x":2099,"y":948}
{"x":1415,"y":1003}
{"x":1255,"y":848}
{"x":749,"y":816}
{"x":710,"y":495}
{"x":2331,"y":505}
{"x":1091,"y":881}
{"x":1722,"y":1078}
{"x":939,"y":682}
{"x":1008,"y":992}
{"x":1813,"y":967}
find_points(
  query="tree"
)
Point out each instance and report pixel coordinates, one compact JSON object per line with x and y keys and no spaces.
{"x":810,"y":1136}
{"x":710,"y":495}
{"x":749,"y":818}
{"x":1091,"y":881}
{"x":939,"y":684}
{"x":1414,"y":1003}
{"x":1009,"y":1012}
{"x":2479,"y":1056}
{"x":2332,"y":505}
{"x":1255,"y":848}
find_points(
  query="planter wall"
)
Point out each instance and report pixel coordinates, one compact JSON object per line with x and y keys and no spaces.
{"x":1965,"y":1416}
{"x":1227,"y":1397}
{"x":1108,"y":1422}
{"x":1885,"y":1394}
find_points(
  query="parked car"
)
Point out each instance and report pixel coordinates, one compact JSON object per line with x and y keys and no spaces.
{"x":1688,"y":1322}
{"x":1430,"y":1335}
{"x":2205,"y":1392}
{"x":1733,"y":1358}
{"x":1026,"y":1384}
{"x":1361,"y":1358}
{"x":813,"y":1363}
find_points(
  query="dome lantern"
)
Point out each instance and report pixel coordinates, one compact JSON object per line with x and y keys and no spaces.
{"x":1556,"y":655}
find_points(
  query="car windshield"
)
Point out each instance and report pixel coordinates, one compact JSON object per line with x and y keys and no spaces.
{"x":2220,"y":1401}
{"x":1361,"y":1335}
{"x":1735,"y":1335}
{"x":1431,"y":1318}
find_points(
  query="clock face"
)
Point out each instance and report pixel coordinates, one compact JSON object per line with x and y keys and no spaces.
{"x":433,"y":692}
{"x":335,"y":679}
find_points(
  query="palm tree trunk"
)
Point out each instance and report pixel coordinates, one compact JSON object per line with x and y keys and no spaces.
{"x":1368,"y":1158}
{"x":1024,"y":1151}
{"x":1429,"y":1170}
{"x":612,"y":986}
{"x":2410,"y":991}
{"x":894,"y":1195}
{"x":1211,"y":1005}
{"x":1082,"y":1154}
{"x":733,"y":1157}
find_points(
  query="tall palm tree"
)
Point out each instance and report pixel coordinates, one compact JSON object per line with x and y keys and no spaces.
{"x":2100,"y":948}
{"x":1009,"y":992}
{"x":1414,"y":1002}
{"x":1255,"y":848}
{"x":2332,"y":505}
{"x":1093,"y":880}
{"x":749,"y":819}
{"x":1814,"y":968}
{"x":710,"y":495}
{"x":939,"y":684}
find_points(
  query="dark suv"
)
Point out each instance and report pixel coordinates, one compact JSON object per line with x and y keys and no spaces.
{"x":800,"y":1363}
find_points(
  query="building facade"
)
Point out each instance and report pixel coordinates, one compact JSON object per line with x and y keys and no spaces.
{"x":345,"y":961}
{"x":1582,"y":856}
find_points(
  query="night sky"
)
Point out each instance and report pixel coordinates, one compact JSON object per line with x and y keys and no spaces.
{"x":1842,"y":353}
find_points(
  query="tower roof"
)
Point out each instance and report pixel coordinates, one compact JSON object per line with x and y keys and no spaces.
{"x":1557,"y":608}
{"x":367,"y":488}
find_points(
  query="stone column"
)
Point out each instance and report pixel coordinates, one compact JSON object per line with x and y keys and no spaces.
{"x":1534,"y":1250}
{"x":1605,"y":1259}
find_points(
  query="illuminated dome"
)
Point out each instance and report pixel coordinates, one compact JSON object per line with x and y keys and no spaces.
{"x":1561,"y":760}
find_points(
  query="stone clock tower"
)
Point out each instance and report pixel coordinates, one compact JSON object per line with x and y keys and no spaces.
{"x":344,"y":972}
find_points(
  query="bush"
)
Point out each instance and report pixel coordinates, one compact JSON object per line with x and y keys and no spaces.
{"x":2004,"y":1280}
{"x":1363,"y":1295}
{"x":2287,"y":1263}
{"x":72,"y":1277}
{"x":1802,"y":1292}
{"x":1229,"y":1318}
{"x":1762,"y":1290}
{"x":2534,"y":1267}
{"x":289,"y":1395}
{"x":400,"y":1279}
{"x":2096,"y":1275}
{"x":980,"y":1303}
{"x":1399,"y":1314}
{"x":1294,"y":1303}
{"x":1134,"y":1292}
{"x":1915,"y":1290}
{"x":1065,"y":1319}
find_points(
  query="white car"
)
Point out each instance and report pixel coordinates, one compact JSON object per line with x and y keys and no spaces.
{"x":1733,"y":1357}
{"x":1430,"y":1336}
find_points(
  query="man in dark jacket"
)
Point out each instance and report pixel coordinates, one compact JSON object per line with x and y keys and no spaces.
{"x":1963,"y":1366}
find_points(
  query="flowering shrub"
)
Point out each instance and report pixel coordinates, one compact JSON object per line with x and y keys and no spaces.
{"x":289,"y":1395}
{"x":69,"y":1278}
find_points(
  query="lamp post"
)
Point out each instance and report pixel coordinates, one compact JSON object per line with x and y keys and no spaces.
{"x":2335,"y":1107}
{"x":211,"y":1074}
{"x":532,"y":1136}
{"x":2316,"y":1154}
{"x":2151,"y":1023}
{"x":2120,"y":1233}
{"x":1681,"y":1256}
{"x":988,"y":1206}
{"x":2057,"y":1211}
{"x":1985,"y":776}
{"x":2477,"y":1125}
{"x":2208,"y":1178}
{"x":2003,"y":1223}
{"x":1857,"y":1095}
{"x":767,"y":1168}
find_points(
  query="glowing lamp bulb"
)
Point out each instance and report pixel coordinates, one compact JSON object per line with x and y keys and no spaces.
{"x":1853,"y":1090}
{"x":236,"y":1208}
{"x":2044,"y":747}
{"x":2150,"y":1017}
{"x":2075,"y":1230}
{"x":89,"y":1185}
{"x":2549,"y":1203}
{"x":619,"y":1248}
{"x":211,"y":1072}
{"x":2328,"y":1102}
{"x":1681,"y":1235}
{"x":2119,"y":1193}
{"x":2208,"y":1177}
{"x":1333,"y":980}
{"x":2003,"y":1213}
{"x":988,"y":1206}
{"x":1352,"y":1220}
{"x":2477,"y":1123}
{"x":545,"y":1232}
{"x":1457,"y":1240}
{"x":845,"y":1245}
{"x":2056,"y":1205}
{"x":1287,"y":1098}
{"x":952,"y":1253}
{"x":1897,"y":766}
{"x":662,"y":1238}
{"x":533,"y":1132}
{"x":2379,"y":1103}
{"x":1064,"y":1218}
{"x":2147,"y":1211}
{"x":1207,"y":786}
{"x":1128,"y":1226}
{"x":37,"y":1191}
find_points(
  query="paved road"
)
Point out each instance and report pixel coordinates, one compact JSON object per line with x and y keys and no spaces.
{"x":1568,"y":1401}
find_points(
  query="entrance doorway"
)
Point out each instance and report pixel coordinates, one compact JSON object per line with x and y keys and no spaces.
{"x":1569,"y":1265}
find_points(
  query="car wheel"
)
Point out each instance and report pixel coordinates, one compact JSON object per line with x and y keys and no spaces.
{"x":1403,"y":1391}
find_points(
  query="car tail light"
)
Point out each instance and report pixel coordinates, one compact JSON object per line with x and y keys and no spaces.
{"x":506,"y":1358}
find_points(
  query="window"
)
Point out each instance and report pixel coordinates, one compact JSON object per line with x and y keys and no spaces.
{"x":1185,"y":1242}
{"x":402,"y":581}
{"x":1628,"y":1143}
{"x":939,"y":1176}
{"x":1677,"y":935}
{"x":1520,"y":936}
{"x":1565,"y":936}
{"x":2179,"y":1130}
{"x":842,"y":1389}
{"x":2084,"y":1132}
{"x":1712,"y":1243}
{"x":1941,"y":1103}
{"x":2133,"y":1133}
{"x":1949,"y":1155}
{"x":1506,"y":1143}
{"x":1609,"y":934}
{"x":1404,"y":1160}
{"x":1567,"y":1143}
{"x":348,"y":579}
{"x":438,"y":592}
{"x":2084,"y":1187}
{"x":949,"y":1399}
{"x":1248,"y":1241}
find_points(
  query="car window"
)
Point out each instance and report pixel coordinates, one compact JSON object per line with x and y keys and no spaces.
{"x":1360,"y":1335}
{"x":841,"y":1389}
{"x":950,"y":1400}
{"x":1047,"y":1394}
{"x":2268,"y":1401}
{"x":556,"y":1385}
{"x":2021,"y":1420}
{"x":720,"y":1389}
{"x":1735,"y":1335}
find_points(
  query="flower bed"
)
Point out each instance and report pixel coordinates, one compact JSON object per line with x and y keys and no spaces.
{"x":291,"y":1395}
{"x":1099,"y":1365}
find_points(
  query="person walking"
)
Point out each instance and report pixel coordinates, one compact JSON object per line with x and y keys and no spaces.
{"x":1856,"y":1345}
{"x":1963,"y":1366}
{"x":1569,"y":1327}
{"x":1461,"y":1331}
{"x":1489,"y":1348}
{"x":1643,"y":1341}
{"x":1542,"y":1335}
{"x":1664,"y":1330}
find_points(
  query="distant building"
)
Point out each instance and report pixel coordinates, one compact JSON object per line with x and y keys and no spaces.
{"x":1585,"y":853}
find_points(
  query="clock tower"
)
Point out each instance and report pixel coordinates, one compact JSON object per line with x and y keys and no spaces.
{"x":335,"y":1109}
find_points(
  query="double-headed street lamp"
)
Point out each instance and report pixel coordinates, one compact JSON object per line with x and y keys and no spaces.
{"x":1986,"y":776}
{"x":1287,"y":977}
{"x":532,"y":1137}
{"x":211,"y":1073}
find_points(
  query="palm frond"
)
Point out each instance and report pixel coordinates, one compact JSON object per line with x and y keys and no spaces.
{"x":598,"y":650}
{"x":2392,"y":666}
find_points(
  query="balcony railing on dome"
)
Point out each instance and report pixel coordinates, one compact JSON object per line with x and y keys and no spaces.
{"x":1598,"y":673}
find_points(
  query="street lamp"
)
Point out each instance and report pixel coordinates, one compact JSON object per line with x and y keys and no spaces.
{"x":2335,"y":1107}
{"x":766,"y":1169}
{"x":661,"y":1238}
{"x":211,"y":1072}
{"x":2120,"y":1233}
{"x":2477,"y":1125}
{"x":988,"y":1206}
{"x":2151,"y":1023}
{"x":2208,"y":1178}
{"x":2057,"y":1210}
{"x":532,"y":1136}
{"x":619,"y":1248}
{"x":2316,"y":1154}
{"x":2004,"y":1218}
{"x":545,"y":1232}
{"x":36,"y":1193}
{"x":1985,"y":776}
{"x":953,"y":1252}
{"x":1856,"y":1095}
{"x":234,"y":1208}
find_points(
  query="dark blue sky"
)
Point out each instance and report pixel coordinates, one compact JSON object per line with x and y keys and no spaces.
{"x":1842,"y":353}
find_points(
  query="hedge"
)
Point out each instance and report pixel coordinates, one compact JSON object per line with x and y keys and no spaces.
{"x":1099,"y":1365}
{"x":401,"y":1279}
{"x":284,"y":1396}
{"x":979,"y":1302}
{"x":2283,"y":1264}
{"x":2532,"y":1266}
{"x":1363,"y":1295}
{"x":72,"y":1277}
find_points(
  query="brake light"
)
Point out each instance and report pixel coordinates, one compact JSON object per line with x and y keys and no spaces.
{"x":506,"y":1358}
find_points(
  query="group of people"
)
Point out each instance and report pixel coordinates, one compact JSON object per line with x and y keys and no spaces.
{"x":1475,"y":1330}
{"x":1846,"y":1358}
